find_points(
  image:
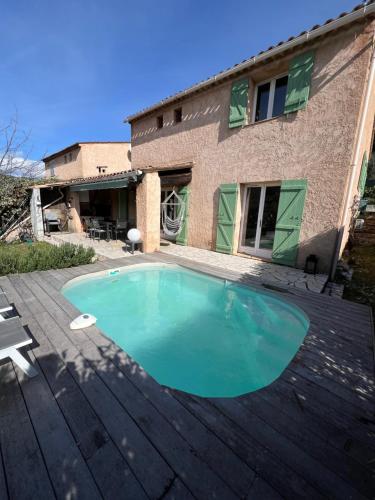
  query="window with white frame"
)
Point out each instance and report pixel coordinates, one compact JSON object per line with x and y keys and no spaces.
{"x":270,"y":98}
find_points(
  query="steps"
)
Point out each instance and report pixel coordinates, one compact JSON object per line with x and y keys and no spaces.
{"x":366,"y":235}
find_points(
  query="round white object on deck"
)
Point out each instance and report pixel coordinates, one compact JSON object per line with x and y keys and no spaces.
{"x":134,"y":235}
{"x":83,"y":321}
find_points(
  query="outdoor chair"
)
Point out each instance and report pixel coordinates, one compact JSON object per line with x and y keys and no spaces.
{"x":120,"y":228}
{"x":51,"y":220}
{"x":96,"y":230}
{"x":12,"y":337}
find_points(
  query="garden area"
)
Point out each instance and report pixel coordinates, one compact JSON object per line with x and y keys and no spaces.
{"x":30,"y":256}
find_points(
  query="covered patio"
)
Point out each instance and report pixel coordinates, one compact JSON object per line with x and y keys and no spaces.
{"x":103,"y":207}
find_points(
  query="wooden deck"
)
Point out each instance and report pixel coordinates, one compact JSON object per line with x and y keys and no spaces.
{"x":93,"y":424}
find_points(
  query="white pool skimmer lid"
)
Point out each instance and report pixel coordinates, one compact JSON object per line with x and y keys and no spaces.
{"x":83,"y":321}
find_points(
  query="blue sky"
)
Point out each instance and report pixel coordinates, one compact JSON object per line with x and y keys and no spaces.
{"x":74,"y":69}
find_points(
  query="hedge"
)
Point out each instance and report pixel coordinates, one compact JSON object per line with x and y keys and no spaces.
{"x":41,"y":256}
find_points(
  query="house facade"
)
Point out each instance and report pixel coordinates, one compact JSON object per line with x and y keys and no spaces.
{"x":269,"y":156}
{"x":88,"y":159}
{"x":86,"y":180}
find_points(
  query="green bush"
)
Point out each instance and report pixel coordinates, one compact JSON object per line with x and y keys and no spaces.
{"x":24,"y":258}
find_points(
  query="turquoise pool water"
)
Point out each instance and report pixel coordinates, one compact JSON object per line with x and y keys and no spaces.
{"x":193,"y":332}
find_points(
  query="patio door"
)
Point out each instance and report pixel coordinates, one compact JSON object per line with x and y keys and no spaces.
{"x":259,"y":213}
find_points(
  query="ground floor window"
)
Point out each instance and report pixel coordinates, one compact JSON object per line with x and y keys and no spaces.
{"x":259,"y":212}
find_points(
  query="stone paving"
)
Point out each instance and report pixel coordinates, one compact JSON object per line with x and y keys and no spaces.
{"x":266,"y":271}
{"x":104,"y":249}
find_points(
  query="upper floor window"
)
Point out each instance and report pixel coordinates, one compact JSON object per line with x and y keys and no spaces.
{"x":52,"y":169}
{"x":178,"y":115}
{"x":65,"y":159}
{"x":270,"y":98}
{"x":160,"y":121}
{"x":101,"y":169}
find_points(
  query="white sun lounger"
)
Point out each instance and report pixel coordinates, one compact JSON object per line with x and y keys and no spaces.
{"x":4,"y":304}
{"x":12,"y":337}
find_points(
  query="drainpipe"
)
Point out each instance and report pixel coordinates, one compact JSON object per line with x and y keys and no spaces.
{"x":55,"y":201}
{"x":356,"y":161}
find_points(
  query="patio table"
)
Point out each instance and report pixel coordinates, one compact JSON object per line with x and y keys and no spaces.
{"x":108,"y":228}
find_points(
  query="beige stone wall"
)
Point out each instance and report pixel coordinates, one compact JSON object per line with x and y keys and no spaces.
{"x":68,"y":166}
{"x":364,"y":140}
{"x":315,"y":144}
{"x":148,"y":211}
{"x":84,"y":160}
{"x":114,"y":156}
{"x":74,"y":224}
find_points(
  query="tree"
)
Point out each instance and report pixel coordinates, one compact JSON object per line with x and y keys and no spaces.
{"x":17,"y":173}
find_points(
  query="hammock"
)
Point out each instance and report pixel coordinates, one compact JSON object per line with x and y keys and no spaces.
{"x":175,"y":205}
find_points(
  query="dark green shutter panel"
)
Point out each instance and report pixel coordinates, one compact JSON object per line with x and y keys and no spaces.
{"x":238,"y":103}
{"x":226,"y":217}
{"x":288,"y":221}
{"x":183,"y":236}
{"x":363,"y":175}
{"x":122,"y":204}
{"x":299,"y":80}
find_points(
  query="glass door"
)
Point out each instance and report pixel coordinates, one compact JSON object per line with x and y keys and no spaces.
{"x":259,"y":220}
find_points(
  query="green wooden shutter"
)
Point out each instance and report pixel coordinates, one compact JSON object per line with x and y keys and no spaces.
{"x":299,"y":80}
{"x":288,"y":221}
{"x":122,"y":204}
{"x":238,"y":103}
{"x":183,"y":236}
{"x":363,"y":175}
{"x":226,"y":217}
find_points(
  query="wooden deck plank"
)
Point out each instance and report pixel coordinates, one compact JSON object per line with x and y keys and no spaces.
{"x":306,"y":412}
{"x":299,"y":460}
{"x":262,"y":490}
{"x":129,"y":439}
{"x":66,"y":467}
{"x":183,"y":458}
{"x":26,"y":473}
{"x":3,"y":483}
{"x":282,"y":478}
{"x":108,"y":467}
{"x":163,"y":398}
{"x":323,"y":401}
{"x":178,"y":491}
{"x":298,"y":433}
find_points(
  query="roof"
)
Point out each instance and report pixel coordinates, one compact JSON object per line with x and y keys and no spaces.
{"x":91,"y":180}
{"x":77,"y":145}
{"x":359,"y":12}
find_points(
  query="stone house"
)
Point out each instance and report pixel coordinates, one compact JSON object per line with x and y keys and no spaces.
{"x":270,"y":155}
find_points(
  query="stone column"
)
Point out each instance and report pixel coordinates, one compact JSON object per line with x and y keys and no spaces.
{"x":74,"y":224}
{"x":148,"y":211}
{"x":36,"y":214}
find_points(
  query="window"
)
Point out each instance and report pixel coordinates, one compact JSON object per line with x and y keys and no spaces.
{"x":52,"y":169}
{"x":270,"y":98}
{"x":65,"y":159}
{"x":70,"y":157}
{"x":178,"y":115}
{"x":159,"y":121}
{"x":101,"y":169}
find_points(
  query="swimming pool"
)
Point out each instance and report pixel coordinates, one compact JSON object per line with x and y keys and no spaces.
{"x":190,"y":331}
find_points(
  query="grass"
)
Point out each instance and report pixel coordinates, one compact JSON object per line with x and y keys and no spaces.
{"x":361,"y":288}
{"x":40,"y":256}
